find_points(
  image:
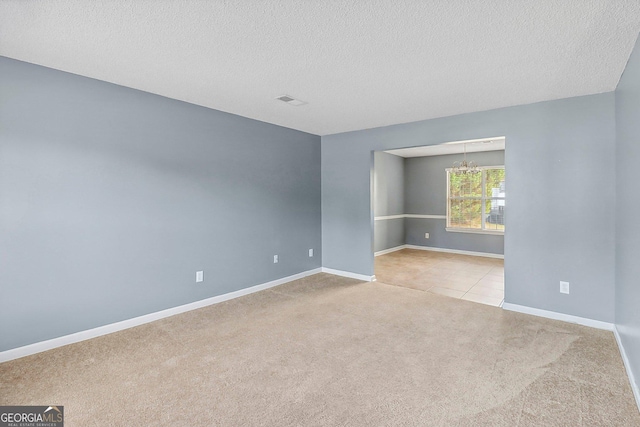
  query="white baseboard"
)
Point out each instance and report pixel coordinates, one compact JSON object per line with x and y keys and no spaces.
{"x":559,"y":316}
{"x":39,"y":347}
{"x":454,"y":251}
{"x":388,"y":251}
{"x":434,"y":249}
{"x":348,"y":274}
{"x":627,"y":365}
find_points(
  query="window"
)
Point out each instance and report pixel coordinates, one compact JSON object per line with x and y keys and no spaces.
{"x":475,"y":202}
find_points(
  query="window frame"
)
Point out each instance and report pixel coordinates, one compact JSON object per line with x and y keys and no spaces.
{"x":484,"y":198}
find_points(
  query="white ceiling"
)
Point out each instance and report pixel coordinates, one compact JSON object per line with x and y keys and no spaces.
{"x":357,"y":64}
{"x":455,"y":147}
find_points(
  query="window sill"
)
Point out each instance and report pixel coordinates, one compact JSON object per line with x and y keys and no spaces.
{"x":475,"y":231}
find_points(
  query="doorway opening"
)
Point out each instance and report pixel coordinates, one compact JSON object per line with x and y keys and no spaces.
{"x":439,"y":218}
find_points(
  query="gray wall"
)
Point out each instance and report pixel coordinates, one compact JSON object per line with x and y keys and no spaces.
{"x":388,"y":197}
{"x":111,"y":199}
{"x":426,"y":194}
{"x":627,"y":209}
{"x":557,"y":227}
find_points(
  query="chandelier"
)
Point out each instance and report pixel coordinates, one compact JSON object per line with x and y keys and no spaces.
{"x":465,"y":167}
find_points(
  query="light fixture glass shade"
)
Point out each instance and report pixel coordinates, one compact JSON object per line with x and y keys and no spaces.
{"x":465,"y":167}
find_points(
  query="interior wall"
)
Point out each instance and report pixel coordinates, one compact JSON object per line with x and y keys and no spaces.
{"x":388,"y":190}
{"x":627,"y":208}
{"x":426,"y":194}
{"x":111,"y":199}
{"x":558,"y":205}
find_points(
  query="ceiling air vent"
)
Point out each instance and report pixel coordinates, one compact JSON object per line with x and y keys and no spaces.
{"x":290,"y":100}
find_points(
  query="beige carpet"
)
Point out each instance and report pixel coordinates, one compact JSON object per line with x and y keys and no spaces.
{"x":329,"y":351}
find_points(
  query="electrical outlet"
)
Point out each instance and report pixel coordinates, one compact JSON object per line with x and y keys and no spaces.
{"x":310,"y":253}
{"x":564,"y":287}
{"x":426,"y":235}
{"x":275,"y":259}
{"x":199,"y":276}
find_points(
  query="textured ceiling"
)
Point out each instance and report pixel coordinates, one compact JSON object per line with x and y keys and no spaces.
{"x":358,"y":64}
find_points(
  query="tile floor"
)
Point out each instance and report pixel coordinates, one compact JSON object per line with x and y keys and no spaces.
{"x":471,"y":278}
